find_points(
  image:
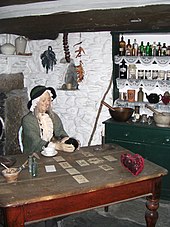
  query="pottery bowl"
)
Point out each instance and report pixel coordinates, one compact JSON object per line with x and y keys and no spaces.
{"x":11,"y":174}
{"x":121,"y":113}
{"x":162,"y":120}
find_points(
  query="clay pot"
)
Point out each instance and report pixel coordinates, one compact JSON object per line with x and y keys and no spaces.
{"x":8,"y":49}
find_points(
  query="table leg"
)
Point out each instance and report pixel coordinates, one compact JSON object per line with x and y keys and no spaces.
{"x":151,"y":214}
{"x":14,"y":217}
{"x":152,"y":204}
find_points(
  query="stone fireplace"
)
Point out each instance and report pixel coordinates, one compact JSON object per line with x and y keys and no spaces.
{"x":13,"y":106}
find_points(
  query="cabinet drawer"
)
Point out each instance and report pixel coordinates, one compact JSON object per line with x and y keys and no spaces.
{"x":138,"y":134}
{"x":157,"y":136}
{"x":124,"y":133}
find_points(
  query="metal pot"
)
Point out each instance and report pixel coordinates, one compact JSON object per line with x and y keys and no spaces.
{"x":121,"y":114}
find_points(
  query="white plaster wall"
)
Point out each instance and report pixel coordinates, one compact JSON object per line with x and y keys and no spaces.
{"x":77,"y":109}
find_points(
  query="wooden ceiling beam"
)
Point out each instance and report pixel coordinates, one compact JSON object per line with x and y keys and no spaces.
{"x":153,"y":18}
{"x":20,"y":2}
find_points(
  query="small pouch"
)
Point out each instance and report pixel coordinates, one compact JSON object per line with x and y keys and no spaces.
{"x":72,"y":141}
{"x":133,"y":163}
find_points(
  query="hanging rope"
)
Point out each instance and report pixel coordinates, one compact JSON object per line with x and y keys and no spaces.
{"x":99,"y":111}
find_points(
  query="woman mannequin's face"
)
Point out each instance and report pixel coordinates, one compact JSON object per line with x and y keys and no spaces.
{"x":44,"y":102}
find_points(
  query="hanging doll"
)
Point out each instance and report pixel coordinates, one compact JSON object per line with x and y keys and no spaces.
{"x":48,"y":59}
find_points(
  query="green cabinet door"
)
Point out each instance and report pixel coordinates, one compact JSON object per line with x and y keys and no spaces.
{"x":152,"y":142}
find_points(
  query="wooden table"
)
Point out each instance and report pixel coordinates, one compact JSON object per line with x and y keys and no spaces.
{"x":53,"y":194}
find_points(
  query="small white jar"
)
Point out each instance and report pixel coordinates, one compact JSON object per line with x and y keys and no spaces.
{"x":20,"y":45}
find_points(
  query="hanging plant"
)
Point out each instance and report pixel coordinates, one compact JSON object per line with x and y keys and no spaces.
{"x":80,"y":72}
{"x":80,"y":50}
{"x":79,"y":68}
{"x":48,"y":59}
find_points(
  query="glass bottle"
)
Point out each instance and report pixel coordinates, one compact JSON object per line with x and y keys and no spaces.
{"x":137,"y":113}
{"x":34,"y":167}
{"x":154,"y":49}
{"x":30,"y":164}
{"x":135,"y":48}
{"x":140,"y":95}
{"x":164,"y":49}
{"x":123,"y":70}
{"x":122,"y":46}
{"x":128,"y":48}
{"x":141,"y":49}
{"x":148,"y":49}
{"x":159,"y":49}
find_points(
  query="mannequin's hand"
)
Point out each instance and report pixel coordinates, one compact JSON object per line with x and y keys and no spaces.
{"x":64,"y":139}
{"x":64,"y":147}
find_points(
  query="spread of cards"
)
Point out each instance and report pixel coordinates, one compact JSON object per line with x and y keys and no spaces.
{"x":87,"y":160}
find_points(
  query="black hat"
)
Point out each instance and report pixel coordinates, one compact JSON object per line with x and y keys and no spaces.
{"x":38,"y":91}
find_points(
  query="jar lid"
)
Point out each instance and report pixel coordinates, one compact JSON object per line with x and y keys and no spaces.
{"x":132,"y":66}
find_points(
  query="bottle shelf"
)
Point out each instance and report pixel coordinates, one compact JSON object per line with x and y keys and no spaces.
{"x":163,"y":85}
{"x":26,"y":55}
{"x":158,"y":106}
{"x":145,"y":60}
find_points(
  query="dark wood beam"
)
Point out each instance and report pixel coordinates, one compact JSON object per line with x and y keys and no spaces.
{"x":155,"y":18}
{"x":19,"y":2}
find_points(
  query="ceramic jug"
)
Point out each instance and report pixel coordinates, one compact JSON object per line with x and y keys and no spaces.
{"x":20,"y":45}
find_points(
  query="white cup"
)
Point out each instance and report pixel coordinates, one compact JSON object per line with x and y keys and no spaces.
{"x":49,"y":150}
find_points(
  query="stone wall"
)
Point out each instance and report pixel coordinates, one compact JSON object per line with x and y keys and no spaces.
{"x":15,"y":100}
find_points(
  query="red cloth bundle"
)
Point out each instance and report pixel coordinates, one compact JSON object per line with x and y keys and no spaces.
{"x":133,"y":163}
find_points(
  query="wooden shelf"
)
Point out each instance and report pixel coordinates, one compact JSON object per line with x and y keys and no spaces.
{"x":145,"y":60}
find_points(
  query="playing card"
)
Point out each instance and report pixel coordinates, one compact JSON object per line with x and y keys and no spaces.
{"x":110,"y":158}
{"x":87,"y":154}
{"x":65,"y":165}
{"x":82,"y":162}
{"x":59,"y":158}
{"x":50,"y":168}
{"x":95,"y":160}
{"x":80,"y":179}
{"x":72,"y":171}
{"x":106,"y":167}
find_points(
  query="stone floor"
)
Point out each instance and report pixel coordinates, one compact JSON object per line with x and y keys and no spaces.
{"x":125,"y":214}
